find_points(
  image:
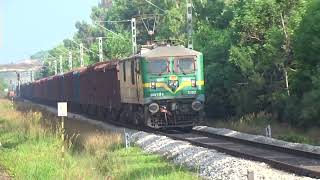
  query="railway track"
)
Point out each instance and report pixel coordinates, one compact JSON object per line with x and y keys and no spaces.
{"x":290,"y":160}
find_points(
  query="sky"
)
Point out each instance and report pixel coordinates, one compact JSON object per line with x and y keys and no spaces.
{"x":28,"y":26}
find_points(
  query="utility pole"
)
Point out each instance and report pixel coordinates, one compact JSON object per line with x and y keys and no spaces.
{"x":55,"y":67}
{"x":61,"y":65}
{"x":134,"y":35}
{"x":189,"y":24}
{"x":19,"y":82}
{"x":100,"y":49}
{"x":81,"y":55}
{"x":31,"y":76}
{"x":70,"y":60}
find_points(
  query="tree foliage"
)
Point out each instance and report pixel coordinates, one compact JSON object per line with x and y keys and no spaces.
{"x":3,"y":86}
{"x":260,"y":55}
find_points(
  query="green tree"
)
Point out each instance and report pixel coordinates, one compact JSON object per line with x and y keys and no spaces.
{"x":3,"y":86}
{"x":306,"y":84}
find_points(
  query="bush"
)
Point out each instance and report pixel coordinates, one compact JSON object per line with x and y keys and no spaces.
{"x":295,"y":138}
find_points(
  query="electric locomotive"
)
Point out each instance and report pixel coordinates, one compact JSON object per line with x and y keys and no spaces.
{"x":163,"y":88}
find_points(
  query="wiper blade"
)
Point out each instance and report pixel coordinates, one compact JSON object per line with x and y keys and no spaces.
{"x":184,"y":73}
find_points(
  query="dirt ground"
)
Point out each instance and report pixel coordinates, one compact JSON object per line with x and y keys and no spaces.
{"x":4,"y":175}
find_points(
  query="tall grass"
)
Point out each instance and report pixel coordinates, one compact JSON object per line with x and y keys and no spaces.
{"x":31,"y":149}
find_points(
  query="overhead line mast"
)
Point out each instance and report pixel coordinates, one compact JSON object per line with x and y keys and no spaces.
{"x":134,"y":36}
{"x":189,"y":24}
{"x":100,"y":49}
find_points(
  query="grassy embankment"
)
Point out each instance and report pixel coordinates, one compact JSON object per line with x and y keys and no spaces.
{"x":31,"y":149}
{"x":256,"y":124}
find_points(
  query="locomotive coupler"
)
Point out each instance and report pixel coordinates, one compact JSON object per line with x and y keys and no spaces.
{"x":166,"y":113}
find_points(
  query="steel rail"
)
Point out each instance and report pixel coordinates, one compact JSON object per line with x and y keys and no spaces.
{"x":262,"y":145}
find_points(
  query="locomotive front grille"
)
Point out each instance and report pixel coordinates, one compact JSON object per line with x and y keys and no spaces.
{"x":179,"y":115}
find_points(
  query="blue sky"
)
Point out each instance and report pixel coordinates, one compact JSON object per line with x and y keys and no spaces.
{"x":28,"y":26}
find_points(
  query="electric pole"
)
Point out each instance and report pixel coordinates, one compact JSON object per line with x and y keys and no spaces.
{"x":60,"y":64}
{"x":189,"y":24}
{"x":31,"y":76}
{"x":100,"y":49}
{"x":19,"y":82}
{"x":55,"y":67}
{"x":70,"y":60}
{"x":81,"y":55}
{"x":134,"y":35}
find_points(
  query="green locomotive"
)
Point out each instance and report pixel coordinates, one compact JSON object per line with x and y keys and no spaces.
{"x":163,"y":88}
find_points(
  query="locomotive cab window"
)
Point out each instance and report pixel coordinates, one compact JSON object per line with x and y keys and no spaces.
{"x":185,"y":65}
{"x":158,"y":66}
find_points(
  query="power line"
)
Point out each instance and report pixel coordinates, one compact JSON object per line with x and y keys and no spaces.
{"x":156,"y":6}
{"x":110,"y":31}
{"x":84,"y":47}
{"x":64,"y":52}
{"x":119,"y":21}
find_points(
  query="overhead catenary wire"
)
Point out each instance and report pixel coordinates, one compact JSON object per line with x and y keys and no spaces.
{"x":64,"y":52}
{"x":85,"y":48}
{"x":110,"y":31}
{"x":119,"y":21}
{"x":155,"y":6}
{"x":94,"y":38}
{"x":52,"y":56}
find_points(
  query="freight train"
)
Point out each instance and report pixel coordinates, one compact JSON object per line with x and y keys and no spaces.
{"x":162,"y":88}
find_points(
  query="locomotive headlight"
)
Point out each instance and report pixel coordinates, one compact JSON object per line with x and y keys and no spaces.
{"x":193,"y":83}
{"x":154,"y":108}
{"x":196,"y":105}
{"x":153,"y":85}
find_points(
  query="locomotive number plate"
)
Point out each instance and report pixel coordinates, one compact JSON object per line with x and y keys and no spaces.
{"x":192,"y":92}
{"x":159,"y":94}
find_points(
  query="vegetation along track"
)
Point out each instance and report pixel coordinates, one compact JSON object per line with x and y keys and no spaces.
{"x":296,"y":161}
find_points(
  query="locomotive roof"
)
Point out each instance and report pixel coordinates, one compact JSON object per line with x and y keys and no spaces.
{"x":169,"y":51}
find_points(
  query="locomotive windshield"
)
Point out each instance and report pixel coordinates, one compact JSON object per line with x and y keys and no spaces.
{"x":185,"y":65}
{"x":158,"y":66}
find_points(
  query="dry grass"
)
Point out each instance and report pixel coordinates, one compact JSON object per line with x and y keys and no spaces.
{"x":31,"y":146}
{"x":98,"y":144}
{"x":31,"y":149}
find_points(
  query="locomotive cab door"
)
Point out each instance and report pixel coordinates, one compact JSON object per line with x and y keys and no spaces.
{"x":139,"y":84}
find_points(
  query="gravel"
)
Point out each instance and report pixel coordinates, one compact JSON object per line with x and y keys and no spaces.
{"x":210,"y":164}
{"x":259,"y":138}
